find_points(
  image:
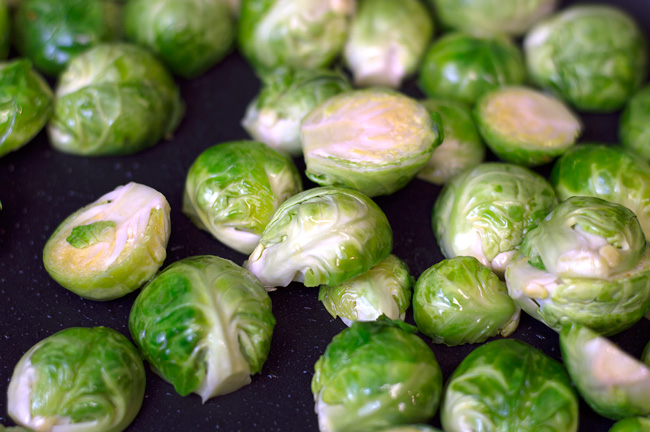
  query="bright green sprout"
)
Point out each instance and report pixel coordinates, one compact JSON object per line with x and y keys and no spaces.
{"x":204,"y":324}
{"x":77,"y":380}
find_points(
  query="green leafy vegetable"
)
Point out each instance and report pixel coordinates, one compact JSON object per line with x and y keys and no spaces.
{"x":79,"y":379}
{"x":204,"y":324}
{"x":375,"y":375}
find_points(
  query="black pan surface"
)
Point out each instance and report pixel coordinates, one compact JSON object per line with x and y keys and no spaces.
{"x":39,"y":187}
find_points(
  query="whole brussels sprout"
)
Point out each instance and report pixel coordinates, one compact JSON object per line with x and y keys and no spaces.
{"x":112,"y":246}
{"x":525,"y":126}
{"x":492,"y":17}
{"x":287,"y":96}
{"x":189,"y":36}
{"x":614,"y":384}
{"x":607,"y":172}
{"x":78,"y":380}
{"x":50,"y":33}
{"x":507,"y":385}
{"x":296,"y":34}
{"x":634,"y":126}
{"x":459,"y":301}
{"x":385,"y":289}
{"x":632,"y":424}
{"x":232,"y":190}
{"x":486,"y":211}
{"x":114,"y":99}
{"x":461,"y":147}
{"x":374,"y":375}
{"x":322,"y":236}
{"x":593,"y":56}
{"x":463,"y":67}
{"x":204,"y":324}
{"x":387,"y":40}
{"x":25,"y":104}
{"x":585,"y":263}
{"x":373,"y":140}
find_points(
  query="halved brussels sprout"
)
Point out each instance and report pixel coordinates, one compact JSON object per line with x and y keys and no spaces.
{"x":461,"y":147}
{"x":592,"y":56}
{"x":632,"y":424}
{"x":383,"y":290}
{"x":13,"y":429}
{"x":204,"y":324}
{"x":50,"y":33}
{"x":486,"y":211}
{"x":297,"y":34}
{"x":322,"y":236}
{"x":507,"y":385}
{"x":607,"y":172}
{"x":387,"y":40}
{"x":374,"y":375}
{"x":459,"y":301}
{"x":25,"y":104}
{"x":586,"y":237}
{"x":78,"y":380}
{"x":634,"y":126}
{"x":189,"y":37}
{"x":463,"y":67}
{"x":525,"y":126}
{"x":585,"y":263}
{"x":232,"y":190}
{"x":492,"y":17}
{"x":114,"y":99}
{"x":373,"y":140}
{"x":112,"y":246}
{"x":287,"y":96}
{"x":614,"y":384}
{"x":410,"y":428}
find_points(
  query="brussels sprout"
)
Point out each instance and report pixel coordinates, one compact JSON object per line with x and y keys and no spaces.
{"x":373,"y":140}
{"x":383,"y":290}
{"x":375,"y":375}
{"x":233,"y":189}
{"x":507,"y":385}
{"x":645,"y":356}
{"x":608,"y":305}
{"x":459,"y":301}
{"x":463,"y":67}
{"x":287,"y":96}
{"x":204,"y":324}
{"x":634,"y":126}
{"x":411,"y":428}
{"x":13,"y":429}
{"x":322,"y":236}
{"x":606,"y":172}
{"x":614,"y":384}
{"x":387,"y":40}
{"x":79,"y":379}
{"x":297,"y":34}
{"x":492,"y":17}
{"x":593,"y":56}
{"x":112,"y":246}
{"x":632,"y":424}
{"x":25,"y":104}
{"x":525,"y":126}
{"x":585,"y":237}
{"x":461,"y":147}
{"x":50,"y":33}
{"x":113,"y":100}
{"x":189,"y":37}
{"x":486,"y":211}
